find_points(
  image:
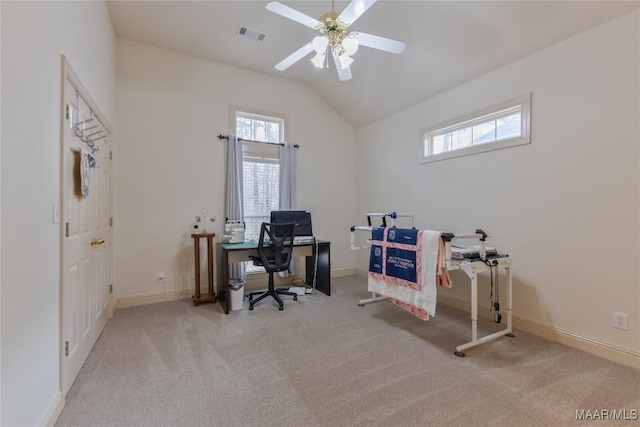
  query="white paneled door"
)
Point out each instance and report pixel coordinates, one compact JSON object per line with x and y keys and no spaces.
{"x":86,"y":228}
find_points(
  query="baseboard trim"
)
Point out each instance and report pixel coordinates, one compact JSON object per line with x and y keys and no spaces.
{"x":152,"y":298}
{"x":599,"y":348}
{"x":252,"y":283}
{"x":344,"y":272}
{"x":53,"y":411}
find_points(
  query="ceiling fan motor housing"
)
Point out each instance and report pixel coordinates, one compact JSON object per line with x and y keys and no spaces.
{"x":334,"y":29}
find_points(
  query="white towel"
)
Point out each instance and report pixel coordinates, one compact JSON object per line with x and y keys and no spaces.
{"x":85,"y":176}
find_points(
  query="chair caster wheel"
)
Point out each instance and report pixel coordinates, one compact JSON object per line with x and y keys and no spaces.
{"x":295,"y":298}
{"x":281,"y":308}
{"x":250,"y":306}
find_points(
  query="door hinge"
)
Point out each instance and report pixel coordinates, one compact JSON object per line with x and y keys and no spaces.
{"x":111,"y":288}
{"x":66,"y":348}
{"x":68,"y":112}
{"x":111,"y":222}
{"x":66,"y":226}
{"x":111,"y":155}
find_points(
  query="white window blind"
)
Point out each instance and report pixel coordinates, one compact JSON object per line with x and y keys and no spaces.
{"x":261,"y":192}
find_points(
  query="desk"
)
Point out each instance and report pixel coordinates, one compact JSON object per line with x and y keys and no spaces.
{"x":227,"y":253}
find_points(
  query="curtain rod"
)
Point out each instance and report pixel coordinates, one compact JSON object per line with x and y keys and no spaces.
{"x":221,"y":136}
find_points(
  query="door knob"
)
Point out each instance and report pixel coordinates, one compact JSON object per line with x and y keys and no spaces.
{"x":96,"y":241}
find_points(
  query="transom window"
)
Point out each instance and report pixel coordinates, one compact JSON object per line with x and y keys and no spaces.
{"x":256,"y":127}
{"x":501,"y":126}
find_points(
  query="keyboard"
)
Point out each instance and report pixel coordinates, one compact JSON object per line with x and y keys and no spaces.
{"x":302,"y":239}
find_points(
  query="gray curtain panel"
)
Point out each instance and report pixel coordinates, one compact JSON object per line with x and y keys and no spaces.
{"x":288,"y":199}
{"x":234,"y":209}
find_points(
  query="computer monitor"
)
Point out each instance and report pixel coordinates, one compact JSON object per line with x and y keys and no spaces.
{"x":302,"y":220}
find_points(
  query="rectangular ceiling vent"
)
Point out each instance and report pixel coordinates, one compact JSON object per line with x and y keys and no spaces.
{"x":244,"y":31}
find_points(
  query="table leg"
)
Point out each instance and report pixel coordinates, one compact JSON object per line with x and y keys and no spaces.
{"x":196,"y":249}
{"x":223,"y":278}
{"x":210,"y":267}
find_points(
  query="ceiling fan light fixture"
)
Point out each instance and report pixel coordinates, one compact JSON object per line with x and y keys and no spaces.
{"x":345,"y":60}
{"x":318,"y":60}
{"x":350,"y":44}
{"x":320,"y":44}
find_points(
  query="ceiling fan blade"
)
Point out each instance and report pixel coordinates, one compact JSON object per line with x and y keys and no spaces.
{"x":294,"y":57}
{"x":381,"y":43}
{"x":354,"y":10}
{"x":343,"y":73}
{"x":287,"y":12}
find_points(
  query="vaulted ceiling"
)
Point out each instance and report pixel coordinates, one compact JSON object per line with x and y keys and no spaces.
{"x":448,"y":42}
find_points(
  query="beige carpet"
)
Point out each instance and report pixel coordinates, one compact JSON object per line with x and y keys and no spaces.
{"x":324,"y":361}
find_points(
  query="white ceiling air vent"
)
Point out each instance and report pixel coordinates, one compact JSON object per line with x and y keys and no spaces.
{"x":244,"y":31}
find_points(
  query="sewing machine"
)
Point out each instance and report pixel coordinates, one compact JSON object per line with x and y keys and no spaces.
{"x":233,"y":232}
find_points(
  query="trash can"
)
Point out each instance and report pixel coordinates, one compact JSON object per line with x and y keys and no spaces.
{"x":236,"y":291}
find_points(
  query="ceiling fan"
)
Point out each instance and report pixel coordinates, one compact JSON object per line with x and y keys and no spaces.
{"x":334,"y":37}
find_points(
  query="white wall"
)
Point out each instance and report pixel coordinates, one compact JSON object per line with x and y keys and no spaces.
{"x":34,"y":36}
{"x":565,"y":207}
{"x":169,"y":163}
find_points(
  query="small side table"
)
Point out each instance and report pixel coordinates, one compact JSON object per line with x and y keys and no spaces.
{"x":210,"y":296}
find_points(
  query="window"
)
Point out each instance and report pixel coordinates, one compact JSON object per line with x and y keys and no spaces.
{"x":261,"y":168}
{"x":500,"y":126}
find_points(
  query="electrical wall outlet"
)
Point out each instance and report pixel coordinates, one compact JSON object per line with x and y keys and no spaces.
{"x":160,"y":276}
{"x":621,"y":320}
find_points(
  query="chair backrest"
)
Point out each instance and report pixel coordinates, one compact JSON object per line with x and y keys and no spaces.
{"x":275,"y":250}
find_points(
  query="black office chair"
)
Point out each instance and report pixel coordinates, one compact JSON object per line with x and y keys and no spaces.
{"x":274,"y":254}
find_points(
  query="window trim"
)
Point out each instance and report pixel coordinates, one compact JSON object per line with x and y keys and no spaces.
{"x":426,"y":134}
